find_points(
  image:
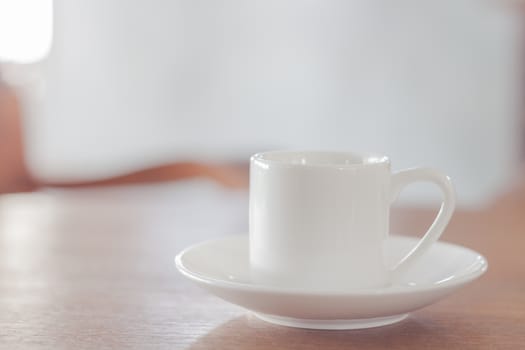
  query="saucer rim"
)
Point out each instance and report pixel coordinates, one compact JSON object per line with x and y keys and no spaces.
{"x":389,"y":290}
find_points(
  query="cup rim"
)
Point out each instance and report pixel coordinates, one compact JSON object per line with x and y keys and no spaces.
{"x":365,"y":159}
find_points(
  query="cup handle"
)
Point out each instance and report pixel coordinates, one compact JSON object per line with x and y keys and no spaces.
{"x":403,"y":178}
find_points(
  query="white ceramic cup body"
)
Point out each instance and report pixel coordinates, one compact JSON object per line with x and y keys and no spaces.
{"x":319,"y":220}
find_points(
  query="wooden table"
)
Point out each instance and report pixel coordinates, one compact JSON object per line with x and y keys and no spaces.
{"x":94,"y":269}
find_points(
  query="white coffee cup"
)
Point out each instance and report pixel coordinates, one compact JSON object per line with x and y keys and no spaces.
{"x":319,"y":220}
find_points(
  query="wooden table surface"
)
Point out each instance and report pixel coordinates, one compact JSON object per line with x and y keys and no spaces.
{"x":94,"y":269}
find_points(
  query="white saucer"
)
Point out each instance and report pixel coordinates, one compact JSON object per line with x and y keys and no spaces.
{"x":222,"y":268}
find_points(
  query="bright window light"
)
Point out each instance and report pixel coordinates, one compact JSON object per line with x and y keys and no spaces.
{"x":25,"y":30}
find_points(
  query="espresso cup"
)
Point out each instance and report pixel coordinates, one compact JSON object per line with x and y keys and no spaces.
{"x":319,"y":220}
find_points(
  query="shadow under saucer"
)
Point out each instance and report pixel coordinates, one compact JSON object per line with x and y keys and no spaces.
{"x":417,"y":331}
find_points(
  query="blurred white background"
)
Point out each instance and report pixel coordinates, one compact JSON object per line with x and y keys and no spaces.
{"x":132,"y":83}
{"x":25,"y":30}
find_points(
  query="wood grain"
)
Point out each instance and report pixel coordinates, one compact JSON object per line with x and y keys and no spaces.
{"x":94,"y":270}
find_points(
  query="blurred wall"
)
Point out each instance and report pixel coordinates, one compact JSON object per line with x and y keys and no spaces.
{"x":134,"y":83}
